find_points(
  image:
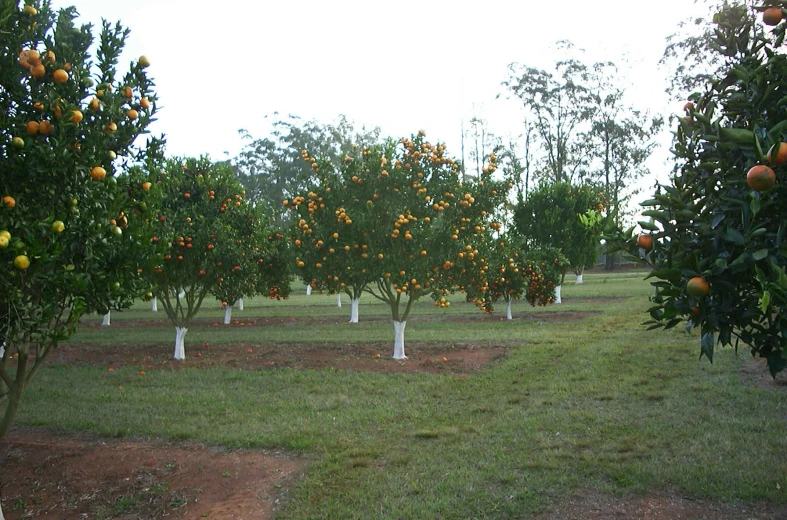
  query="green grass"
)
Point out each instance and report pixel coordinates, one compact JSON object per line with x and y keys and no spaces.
{"x":597,"y":402}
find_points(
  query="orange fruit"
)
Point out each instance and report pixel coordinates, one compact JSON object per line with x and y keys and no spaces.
{"x":697,"y":287}
{"x":132,"y":114}
{"x":76,"y":116}
{"x":146,"y":186}
{"x":144,"y":62}
{"x":37,"y":71}
{"x":45,"y":127}
{"x":98,"y":173}
{"x":645,"y":241}
{"x":95,"y":104}
{"x":38,"y":106}
{"x":32,"y":127}
{"x":761,"y":178}
{"x":144,"y":103}
{"x":9,"y":202}
{"x":29,"y":9}
{"x":22,"y":262}
{"x":127,"y":92}
{"x":781,"y":154}
{"x":60,"y":76}
{"x":772,"y":16}
{"x":111,"y":127}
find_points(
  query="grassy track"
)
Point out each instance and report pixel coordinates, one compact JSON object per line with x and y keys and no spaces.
{"x":596,"y":402}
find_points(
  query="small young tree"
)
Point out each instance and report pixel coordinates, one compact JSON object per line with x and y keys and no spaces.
{"x":68,"y":124}
{"x":213,"y":236}
{"x":715,"y":232}
{"x":413,"y":217}
{"x":563,"y":216}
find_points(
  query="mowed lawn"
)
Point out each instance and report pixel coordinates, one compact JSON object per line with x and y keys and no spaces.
{"x":595,"y":403}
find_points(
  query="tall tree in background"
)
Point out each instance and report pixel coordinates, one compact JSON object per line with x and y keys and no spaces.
{"x":620,"y":141}
{"x":560,"y":102}
{"x":272,"y":168}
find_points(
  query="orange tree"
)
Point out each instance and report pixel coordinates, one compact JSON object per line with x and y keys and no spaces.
{"x":512,"y":276}
{"x":391,"y":220}
{"x":564,"y":216}
{"x":715,"y":233}
{"x":214,"y":240}
{"x":65,"y":134}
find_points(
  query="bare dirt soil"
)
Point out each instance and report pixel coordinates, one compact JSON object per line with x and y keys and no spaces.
{"x":50,"y":477}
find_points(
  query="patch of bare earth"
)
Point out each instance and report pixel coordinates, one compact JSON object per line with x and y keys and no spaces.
{"x":589,"y":504}
{"x":458,"y":359}
{"x":755,"y":372}
{"x":50,"y":477}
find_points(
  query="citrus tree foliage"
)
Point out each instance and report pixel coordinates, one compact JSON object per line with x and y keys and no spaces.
{"x":271,"y":168}
{"x":563,"y":216}
{"x":716,"y":232}
{"x":392,"y":220}
{"x":512,"y":276}
{"x":216,"y":242}
{"x":66,"y":126}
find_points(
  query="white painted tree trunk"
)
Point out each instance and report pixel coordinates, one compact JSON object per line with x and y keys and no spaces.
{"x":154,"y":305}
{"x":579,"y":279}
{"x":557,"y":294}
{"x":1,"y":512}
{"x":508,"y":309}
{"x":354,"y":310}
{"x":107,"y":321}
{"x":181,"y":294}
{"x":227,"y":314}
{"x":399,"y":339}
{"x":308,"y":290}
{"x":240,"y":304}
{"x":180,"y":336}
{"x":2,"y":353}
{"x":339,"y":300}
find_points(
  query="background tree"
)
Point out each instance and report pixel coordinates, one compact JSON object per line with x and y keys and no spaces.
{"x":64,"y":119}
{"x":551,"y":217}
{"x":213,"y":238}
{"x":716,"y":232}
{"x":561,"y":102}
{"x":272,"y":168}
{"x":414,"y":218}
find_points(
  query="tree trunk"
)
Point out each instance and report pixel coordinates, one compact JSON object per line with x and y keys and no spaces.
{"x":180,"y":336}
{"x":398,"y":352}
{"x":339,"y":300}
{"x":579,"y":279}
{"x":354,"y":310}
{"x":181,"y":294}
{"x":2,"y":348}
{"x":609,"y":262}
{"x":240,"y":304}
{"x":308,"y":290}
{"x":558,"y":299}
{"x":154,"y":305}
{"x":227,"y":314}
{"x":509,"y":317}
{"x":107,"y":321}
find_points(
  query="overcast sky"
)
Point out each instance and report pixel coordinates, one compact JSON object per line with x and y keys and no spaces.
{"x":403,"y":66}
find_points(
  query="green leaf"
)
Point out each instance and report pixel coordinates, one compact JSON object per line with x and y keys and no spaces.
{"x":734,"y":236}
{"x":706,"y":345}
{"x":765,"y":301}
{"x":760,"y":254}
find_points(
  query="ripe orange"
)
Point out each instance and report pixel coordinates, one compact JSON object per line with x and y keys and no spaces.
{"x":761,"y":178}
{"x":781,"y":154}
{"x":772,"y":16}
{"x":697,"y":287}
{"x":146,"y":186}
{"x":127,"y":92}
{"x":37,"y":71}
{"x":45,"y":127}
{"x":60,"y":76}
{"x":38,"y":106}
{"x":98,"y":173}
{"x":33,"y":57}
{"x":9,"y":202}
{"x":144,"y":103}
{"x":29,"y":9}
{"x":76,"y":116}
{"x":645,"y":241}
{"x":688,"y":107}
{"x":111,"y":127}
{"x":95,"y":104}
{"x":32,"y":127}
{"x":132,"y":114}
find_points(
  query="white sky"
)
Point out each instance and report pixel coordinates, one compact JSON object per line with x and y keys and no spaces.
{"x":403,"y":66}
